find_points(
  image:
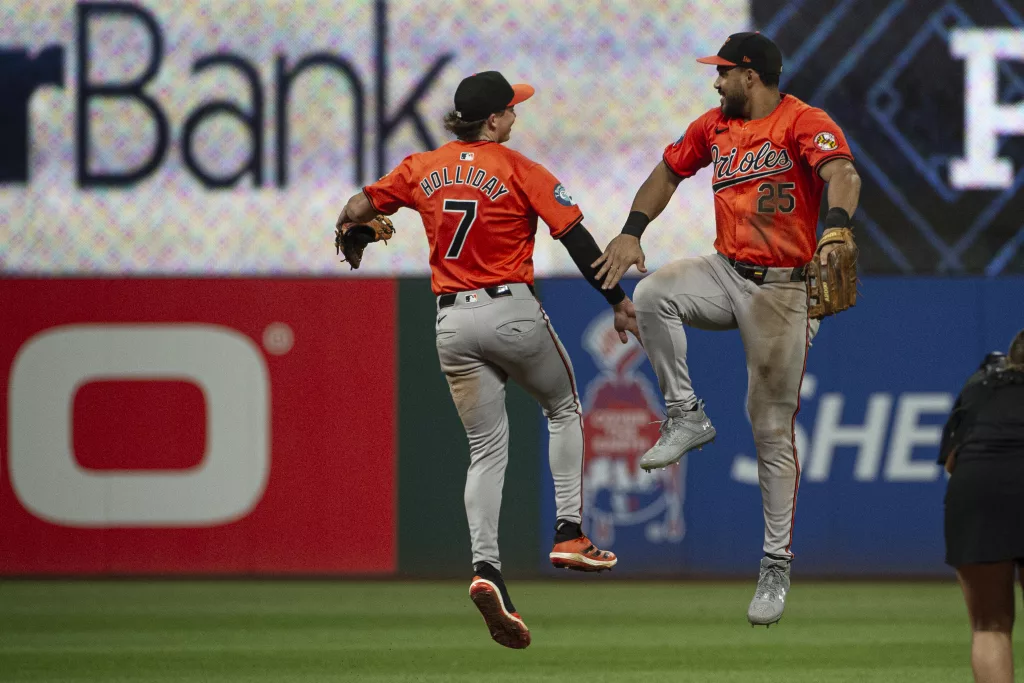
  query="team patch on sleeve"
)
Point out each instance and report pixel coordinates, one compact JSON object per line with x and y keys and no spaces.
{"x":826,"y":141}
{"x":562,"y":196}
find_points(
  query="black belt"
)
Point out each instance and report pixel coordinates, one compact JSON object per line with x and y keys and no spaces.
{"x":496,"y":292}
{"x":756,"y":273}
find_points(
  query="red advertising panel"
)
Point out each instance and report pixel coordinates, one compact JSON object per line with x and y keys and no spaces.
{"x":197,"y":426}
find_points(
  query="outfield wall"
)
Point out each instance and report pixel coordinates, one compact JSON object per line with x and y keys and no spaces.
{"x":237,"y":426}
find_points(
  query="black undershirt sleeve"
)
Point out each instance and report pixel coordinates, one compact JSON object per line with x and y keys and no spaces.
{"x":584,"y":250}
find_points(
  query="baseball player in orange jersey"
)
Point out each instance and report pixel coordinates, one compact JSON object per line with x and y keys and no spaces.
{"x":772,"y":156}
{"x":479,"y":202}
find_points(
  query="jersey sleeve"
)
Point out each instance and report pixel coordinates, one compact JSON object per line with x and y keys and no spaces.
{"x":393,"y":191}
{"x":819,"y":139}
{"x":691,"y":152}
{"x":551,"y":201}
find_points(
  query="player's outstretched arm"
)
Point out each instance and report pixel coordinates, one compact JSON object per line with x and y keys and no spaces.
{"x":624,"y":250}
{"x":358,"y":209}
{"x":654,"y":195}
{"x":359,"y":225}
{"x":583,"y":249}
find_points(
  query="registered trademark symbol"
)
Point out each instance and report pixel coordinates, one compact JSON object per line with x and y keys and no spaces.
{"x":278,"y":339}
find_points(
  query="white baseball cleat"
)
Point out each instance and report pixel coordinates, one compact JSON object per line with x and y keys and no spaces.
{"x":681,"y":432}
{"x":770,"y":597}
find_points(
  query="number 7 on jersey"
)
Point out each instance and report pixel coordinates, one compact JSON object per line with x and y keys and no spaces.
{"x":467,"y":207}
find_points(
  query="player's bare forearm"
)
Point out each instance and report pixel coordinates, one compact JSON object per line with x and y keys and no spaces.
{"x":357,"y":210}
{"x":654,"y":195}
{"x":624,"y":250}
{"x":843,"y":184}
{"x":584,"y":250}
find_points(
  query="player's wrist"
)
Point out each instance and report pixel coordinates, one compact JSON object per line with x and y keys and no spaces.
{"x":636,"y":223}
{"x":616,"y":296}
{"x":837,"y":217}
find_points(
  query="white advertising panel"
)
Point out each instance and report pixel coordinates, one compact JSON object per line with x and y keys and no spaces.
{"x":224,"y":137}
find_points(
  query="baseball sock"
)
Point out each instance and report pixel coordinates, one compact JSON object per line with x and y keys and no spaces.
{"x":567,"y":531}
{"x":485,"y":571}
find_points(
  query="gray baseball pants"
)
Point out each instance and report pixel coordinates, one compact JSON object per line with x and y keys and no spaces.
{"x":707,"y":293}
{"x":481,"y":343}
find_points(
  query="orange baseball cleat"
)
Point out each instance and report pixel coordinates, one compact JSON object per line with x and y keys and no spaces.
{"x":506,"y":627}
{"x":582,"y":555}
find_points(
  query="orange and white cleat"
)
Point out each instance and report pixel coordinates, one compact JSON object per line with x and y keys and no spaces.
{"x":577,"y":552}
{"x":504,"y":623}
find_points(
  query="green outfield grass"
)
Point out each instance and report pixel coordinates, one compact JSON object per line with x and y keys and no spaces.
{"x":597,"y":630}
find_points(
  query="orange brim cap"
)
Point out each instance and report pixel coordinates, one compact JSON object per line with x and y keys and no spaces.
{"x":716,"y":60}
{"x":522,"y":92}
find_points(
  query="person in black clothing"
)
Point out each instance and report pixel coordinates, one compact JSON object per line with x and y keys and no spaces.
{"x":983,"y":450}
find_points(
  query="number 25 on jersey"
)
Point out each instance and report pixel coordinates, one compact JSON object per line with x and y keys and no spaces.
{"x":775,"y":198}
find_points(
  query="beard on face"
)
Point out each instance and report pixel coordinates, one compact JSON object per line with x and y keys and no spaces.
{"x":734,"y":104}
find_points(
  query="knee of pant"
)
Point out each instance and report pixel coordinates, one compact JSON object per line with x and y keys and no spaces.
{"x":770,"y":431}
{"x":775,"y":440}
{"x":771,"y":417}
{"x":648,"y":295}
{"x":479,"y":492}
{"x":471,"y":493}
{"x":563,"y":410}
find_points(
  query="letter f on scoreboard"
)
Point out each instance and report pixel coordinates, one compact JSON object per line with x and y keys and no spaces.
{"x":985,"y":119}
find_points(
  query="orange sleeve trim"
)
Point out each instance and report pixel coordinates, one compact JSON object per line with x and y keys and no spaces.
{"x":664,"y":157}
{"x":561,"y":233}
{"x":369,"y":198}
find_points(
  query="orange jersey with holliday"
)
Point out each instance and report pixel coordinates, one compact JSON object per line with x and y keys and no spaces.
{"x":765,"y":178}
{"x":479,"y":202}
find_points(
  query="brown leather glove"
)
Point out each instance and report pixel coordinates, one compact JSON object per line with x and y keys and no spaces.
{"x":351,"y":238}
{"x":831,"y":276}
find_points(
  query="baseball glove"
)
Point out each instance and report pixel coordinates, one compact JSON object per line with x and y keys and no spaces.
{"x":831,"y":275}
{"x":351,"y":238}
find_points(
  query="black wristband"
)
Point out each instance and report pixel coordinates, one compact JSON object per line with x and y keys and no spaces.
{"x":636,"y":223}
{"x":837,"y":218}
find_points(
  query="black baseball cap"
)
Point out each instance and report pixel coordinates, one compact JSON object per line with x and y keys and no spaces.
{"x":750,"y":50}
{"x":480,"y":95}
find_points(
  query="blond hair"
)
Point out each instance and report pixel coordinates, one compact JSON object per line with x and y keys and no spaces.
{"x":467,"y":131}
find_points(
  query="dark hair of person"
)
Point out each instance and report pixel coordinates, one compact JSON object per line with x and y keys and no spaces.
{"x":1015,"y":356}
{"x":467,"y":131}
{"x":770,"y":80}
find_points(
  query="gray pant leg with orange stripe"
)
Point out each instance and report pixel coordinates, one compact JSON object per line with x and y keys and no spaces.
{"x":481,"y":343}
{"x":707,"y":293}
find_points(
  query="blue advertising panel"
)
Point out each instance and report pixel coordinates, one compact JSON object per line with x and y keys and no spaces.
{"x":879,"y":384}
